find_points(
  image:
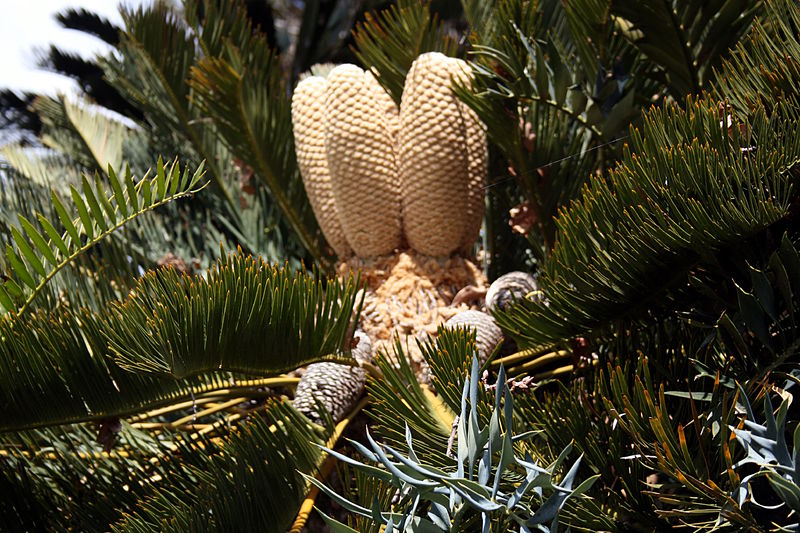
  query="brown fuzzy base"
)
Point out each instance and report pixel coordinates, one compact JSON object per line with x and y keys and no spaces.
{"x":410,"y":295}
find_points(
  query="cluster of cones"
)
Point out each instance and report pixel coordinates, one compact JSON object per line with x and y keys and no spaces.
{"x":380,"y":177}
{"x":398,"y":194}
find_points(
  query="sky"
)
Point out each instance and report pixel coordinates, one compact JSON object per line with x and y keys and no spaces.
{"x":26,"y":25}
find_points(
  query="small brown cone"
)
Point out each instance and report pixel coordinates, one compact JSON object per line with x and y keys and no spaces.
{"x":361,"y":159}
{"x":337,"y":387}
{"x":308,"y":103}
{"x":442,"y":159}
{"x":487,"y":333}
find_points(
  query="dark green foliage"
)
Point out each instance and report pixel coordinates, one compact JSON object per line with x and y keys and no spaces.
{"x":443,"y":500}
{"x":178,"y":326}
{"x":684,"y":41}
{"x":249,"y":480}
{"x":244,"y":92}
{"x":665,"y":244}
{"x":686,"y":187}
{"x":40,"y":250}
{"x":416,"y":409}
{"x":551,"y":115}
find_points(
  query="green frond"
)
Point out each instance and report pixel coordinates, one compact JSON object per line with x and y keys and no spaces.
{"x":246,"y":98}
{"x":596,"y":39}
{"x":363,"y":489}
{"x":665,"y":425}
{"x":40,"y":249}
{"x":250,"y":480}
{"x":151,"y":69}
{"x":46,"y":170}
{"x":62,"y":479}
{"x":391,"y":40}
{"x":686,"y":187}
{"x":55,"y":370}
{"x":686,"y":40}
{"x":224,"y":24}
{"x":398,"y":399}
{"x":67,"y":476}
{"x":745,"y":312}
{"x":450,"y":359}
{"x":766,"y":65}
{"x":568,"y":414}
{"x":243,"y":315}
{"x":157,"y":40}
{"x":554,"y":123}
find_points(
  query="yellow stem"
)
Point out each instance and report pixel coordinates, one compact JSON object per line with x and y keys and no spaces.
{"x":308,"y":504}
{"x":211,"y":393}
{"x":539,"y":362}
{"x":524,"y":355}
{"x":209,"y":411}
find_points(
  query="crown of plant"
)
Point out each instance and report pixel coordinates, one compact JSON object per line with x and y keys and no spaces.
{"x":378,"y":176}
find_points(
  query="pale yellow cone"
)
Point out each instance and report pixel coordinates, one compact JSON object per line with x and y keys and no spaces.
{"x":442,"y":159}
{"x":362,"y":162}
{"x":308,"y":102}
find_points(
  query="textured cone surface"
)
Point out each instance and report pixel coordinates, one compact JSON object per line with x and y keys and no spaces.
{"x":308,"y":103}
{"x":361,"y":159}
{"x":337,"y":387}
{"x":440,"y":213}
{"x":509,"y":288}
{"x":487,"y":333}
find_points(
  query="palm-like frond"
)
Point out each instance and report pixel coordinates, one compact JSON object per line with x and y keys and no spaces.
{"x":704,"y":482}
{"x":246,"y":316}
{"x":637,"y":232}
{"x":686,"y":40}
{"x":398,"y":399}
{"x":48,"y":170}
{"x":156,"y":53}
{"x":764,"y":67}
{"x":62,"y":479}
{"x":89,"y":22}
{"x":180,"y":326}
{"x":54,"y":370}
{"x":553,"y":121}
{"x":247,"y":100}
{"x":251,"y":480}
{"x":89,"y":137}
{"x":39,"y":254}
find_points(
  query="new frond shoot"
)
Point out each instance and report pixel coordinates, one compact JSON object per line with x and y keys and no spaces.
{"x":44,"y":247}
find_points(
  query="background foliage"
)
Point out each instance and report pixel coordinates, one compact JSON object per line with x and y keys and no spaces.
{"x":644,"y":160}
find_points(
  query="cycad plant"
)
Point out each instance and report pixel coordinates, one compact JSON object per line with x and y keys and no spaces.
{"x":641,"y":165}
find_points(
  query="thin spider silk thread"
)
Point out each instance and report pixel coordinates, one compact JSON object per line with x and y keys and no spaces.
{"x":551,"y":163}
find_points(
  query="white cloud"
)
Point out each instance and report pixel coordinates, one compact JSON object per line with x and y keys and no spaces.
{"x":29,"y":25}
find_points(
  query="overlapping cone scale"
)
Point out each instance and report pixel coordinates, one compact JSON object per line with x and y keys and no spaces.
{"x":487,"y":333}
{"x":442,"y":151}
{"x":379,"y":177}
{"x":362,"y":161}
{"x":308,"y":105}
